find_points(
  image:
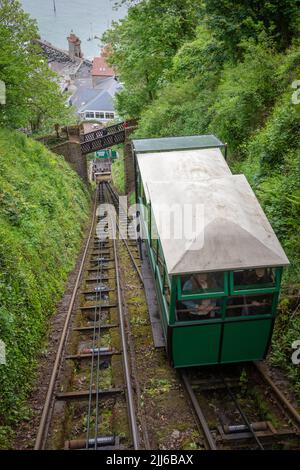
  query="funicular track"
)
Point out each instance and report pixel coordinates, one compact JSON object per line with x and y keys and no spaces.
{"x":240,"y":407}
{"x":126,"y":229}
{"x":90,"y":392}
{"x":90,"y":402}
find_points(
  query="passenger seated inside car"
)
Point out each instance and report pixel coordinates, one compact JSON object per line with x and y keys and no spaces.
{"x":254,"y":277}
{"x":196,"y":282}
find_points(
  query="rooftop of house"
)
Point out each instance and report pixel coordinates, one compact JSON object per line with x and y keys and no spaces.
{"x":99,"y":98}
{"x":101,"y":68}
{"x":61,"y":62}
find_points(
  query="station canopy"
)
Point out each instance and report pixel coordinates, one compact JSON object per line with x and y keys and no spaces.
{"x":181,"y":165}
{"x":230,"y":230}
{"x":164,"y":144}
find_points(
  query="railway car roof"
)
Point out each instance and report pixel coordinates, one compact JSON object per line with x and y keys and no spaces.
{"x":231,"y":231}
{"x":164,"y":144}
{"x":182,"y":165}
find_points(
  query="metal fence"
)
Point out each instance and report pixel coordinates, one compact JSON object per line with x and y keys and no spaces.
{"x":103,"y":141}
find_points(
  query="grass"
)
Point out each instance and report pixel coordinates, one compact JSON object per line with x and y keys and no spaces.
{"x":118,"y":172}
{"x":118,"y":175}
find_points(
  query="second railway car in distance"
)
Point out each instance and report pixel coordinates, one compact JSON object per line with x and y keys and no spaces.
{"x":217,"y":290}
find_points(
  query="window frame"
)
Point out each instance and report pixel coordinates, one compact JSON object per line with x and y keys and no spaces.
{"x":258,"y":315}
{"x":199,"y":320}
{"x":203,"y":295}
{"x":109,"y":115}
{"x":267,"y":290}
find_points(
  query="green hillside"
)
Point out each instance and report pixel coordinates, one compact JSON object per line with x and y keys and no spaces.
{"x":44,"y":209}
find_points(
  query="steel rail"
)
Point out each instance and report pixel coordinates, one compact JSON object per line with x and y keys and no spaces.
{"x":243,"y":415}
{"x":282,"y":400}
{"x":210,"y":442}
{"x":130,"y":400}
{"x":123,"y":239}
{"x":280,"y":396}
{"x":97,"y":311}
{"x":43,"y":426}
{"x":99,"y":344}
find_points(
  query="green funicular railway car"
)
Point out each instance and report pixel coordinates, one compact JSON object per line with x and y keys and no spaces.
{"x":217,"y":288}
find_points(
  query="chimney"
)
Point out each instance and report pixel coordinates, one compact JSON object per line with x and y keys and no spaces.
{"x":74,"y":46}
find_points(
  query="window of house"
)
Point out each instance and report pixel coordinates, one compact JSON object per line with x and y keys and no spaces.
{"x":99,"y":115}
{"x":109,"y":115}
{"x":89,"y":115}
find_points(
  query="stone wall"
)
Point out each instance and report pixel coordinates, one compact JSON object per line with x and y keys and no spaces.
{"x":129,"y":161}
{"x":72,"y":154}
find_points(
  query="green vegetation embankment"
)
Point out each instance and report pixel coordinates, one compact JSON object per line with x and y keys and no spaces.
{"x":44,"y":209}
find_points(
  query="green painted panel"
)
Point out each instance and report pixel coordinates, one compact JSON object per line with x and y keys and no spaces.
{"x":102,"y":154}
{"x":245,"y":340}
{"x":195,"y":345}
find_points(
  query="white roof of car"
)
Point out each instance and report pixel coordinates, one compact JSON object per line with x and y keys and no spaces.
{"x":230,"y":231}
{"x":181,"y":165}
{"x":164,"y":144}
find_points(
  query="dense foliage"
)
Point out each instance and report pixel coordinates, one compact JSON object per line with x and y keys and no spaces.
{"x":44,"y":207}
{"x":142,"y":46}
{"x":33,"y":97}
{"x":234,"y":74}
{"x":234,"y":20}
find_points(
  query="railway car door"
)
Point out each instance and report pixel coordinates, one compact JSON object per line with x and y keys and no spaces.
{"x":197,"y":334}
{"x":250,"y":314}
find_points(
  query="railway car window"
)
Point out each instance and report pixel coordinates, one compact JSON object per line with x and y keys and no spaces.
{"x":203,"y":283}
{"x":161,"y":264}
{"x":166,"y":287}
{"x":262,"y":278}
{"x":143,"y":195}
{"x":154,"y":232}
{"x":242,"y":305}
{"x":138,"y":183}
{"x":145,"y":212}
{"x":199,"y":309}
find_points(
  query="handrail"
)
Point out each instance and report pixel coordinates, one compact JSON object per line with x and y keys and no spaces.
{"x":103,"y":142}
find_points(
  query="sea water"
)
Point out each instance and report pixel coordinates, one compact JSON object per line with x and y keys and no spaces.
{"x":87,"y":19}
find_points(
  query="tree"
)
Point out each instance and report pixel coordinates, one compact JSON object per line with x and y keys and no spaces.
{"x":143,"y":44}
{"x":246,"y":94}
{"x":33,"y":96}
{"x":234,"y":20}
